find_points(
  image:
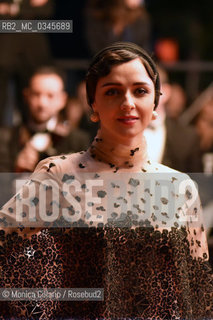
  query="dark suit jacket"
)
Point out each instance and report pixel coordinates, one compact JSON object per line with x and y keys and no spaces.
{"x":182,"y":150}
{"x":10,"y":145}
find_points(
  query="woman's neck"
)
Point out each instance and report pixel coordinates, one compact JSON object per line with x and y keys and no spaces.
{"x":119,"y":155}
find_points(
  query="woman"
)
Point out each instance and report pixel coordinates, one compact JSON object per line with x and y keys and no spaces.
{"x":133,"y":227}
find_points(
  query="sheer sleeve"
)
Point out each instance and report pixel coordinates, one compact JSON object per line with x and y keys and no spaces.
{"x":194,"y":223}
{"x":194,"y":271}
{"x":24,"y":210}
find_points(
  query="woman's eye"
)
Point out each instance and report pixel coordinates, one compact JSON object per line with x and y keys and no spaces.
{"x":141,"y":91}
{"x":111,"y":92}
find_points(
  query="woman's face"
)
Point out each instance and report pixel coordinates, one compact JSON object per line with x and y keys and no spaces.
{"x":124,"y":100}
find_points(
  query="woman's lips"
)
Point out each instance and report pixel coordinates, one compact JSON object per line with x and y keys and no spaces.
{"x":128,"y":120}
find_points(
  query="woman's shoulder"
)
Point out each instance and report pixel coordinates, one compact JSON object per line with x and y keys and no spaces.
{"x":166,"y":172}
{"x":161,"y":168}
{"x":59,"y":165}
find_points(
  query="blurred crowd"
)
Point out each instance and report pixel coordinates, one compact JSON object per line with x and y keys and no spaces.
{"x":41,"y":115}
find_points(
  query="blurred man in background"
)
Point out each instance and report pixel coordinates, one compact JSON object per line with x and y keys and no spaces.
{"x":21,"y":53}
{"x":169,"y":142}
{"x":44,"y":133}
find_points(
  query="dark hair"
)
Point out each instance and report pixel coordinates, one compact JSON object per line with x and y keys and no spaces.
{"x":50,"y":70}
{"x":115,"y":54}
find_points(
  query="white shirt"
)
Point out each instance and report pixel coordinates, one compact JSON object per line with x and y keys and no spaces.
{"x":155,"y":136}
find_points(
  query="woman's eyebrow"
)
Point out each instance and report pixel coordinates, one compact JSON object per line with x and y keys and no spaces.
{"x":120,"y":84}
{"x":141,"y":83}
{"x":111,"y":84}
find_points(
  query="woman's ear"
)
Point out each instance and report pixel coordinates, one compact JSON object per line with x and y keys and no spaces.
{"x":94,"y":117}
{"x":93,"y":106}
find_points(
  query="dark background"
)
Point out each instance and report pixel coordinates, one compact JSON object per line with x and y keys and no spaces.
{"x":189,"y":21}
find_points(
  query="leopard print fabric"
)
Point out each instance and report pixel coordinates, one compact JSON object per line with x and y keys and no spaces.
{"x":151,"y":263}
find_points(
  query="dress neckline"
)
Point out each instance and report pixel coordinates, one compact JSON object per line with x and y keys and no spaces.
{"x":119,"y":156}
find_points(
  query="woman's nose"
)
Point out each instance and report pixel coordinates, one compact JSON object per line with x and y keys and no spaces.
{"x":128,"y":102}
